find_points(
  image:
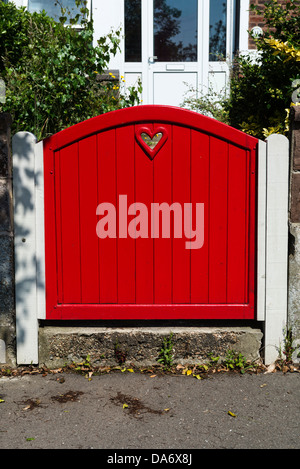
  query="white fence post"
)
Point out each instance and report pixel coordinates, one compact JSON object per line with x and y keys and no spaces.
{"x":27,"y":271}
{"x":261,"y":232}
{"x":276,"y":244}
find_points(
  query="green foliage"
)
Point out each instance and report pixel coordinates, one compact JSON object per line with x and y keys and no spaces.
{"x":260,"y":91}
{"x":51,"y":71}
{"x":235,"y":360}
{"x":282,"y":21}
{"x":286,"y":354}
{"x":212,"y":359}
{"x":209,"y":104}
{"x":166,"y":352}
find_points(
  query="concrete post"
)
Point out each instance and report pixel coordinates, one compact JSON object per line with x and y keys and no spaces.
{"x":294,"y":227}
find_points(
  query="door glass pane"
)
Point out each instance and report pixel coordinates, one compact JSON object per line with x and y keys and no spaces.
{"x":217,"y":30}
{"x":53,"y":8}
{"x":175,"y":30}
{"x":133,"y":31}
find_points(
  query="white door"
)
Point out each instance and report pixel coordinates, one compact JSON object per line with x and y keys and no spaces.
{"x":175,"y":46}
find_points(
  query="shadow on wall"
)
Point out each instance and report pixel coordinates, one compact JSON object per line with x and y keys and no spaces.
{"x":27,"y":178}
{"x":7,"y":304}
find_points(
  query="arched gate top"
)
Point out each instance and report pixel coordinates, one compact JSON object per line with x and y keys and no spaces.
{"x":147,"y":114}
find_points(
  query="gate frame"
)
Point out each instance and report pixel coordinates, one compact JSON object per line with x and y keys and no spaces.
{"x":272,"y":235}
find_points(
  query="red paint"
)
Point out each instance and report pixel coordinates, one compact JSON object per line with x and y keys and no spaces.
{"x":197,"y":160}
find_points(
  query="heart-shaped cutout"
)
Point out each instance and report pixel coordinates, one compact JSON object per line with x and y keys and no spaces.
{"x":151,"y":140}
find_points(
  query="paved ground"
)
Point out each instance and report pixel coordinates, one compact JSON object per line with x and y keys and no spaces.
{"x":168,"y":412}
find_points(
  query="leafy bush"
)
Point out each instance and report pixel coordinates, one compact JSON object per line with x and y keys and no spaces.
{"x":209,"y":103}
{"x":51,"y":71}
{"x":260,"y":91}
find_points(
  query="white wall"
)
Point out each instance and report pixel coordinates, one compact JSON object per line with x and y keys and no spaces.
{"x":108,"y":16}
{"x":244,"y":25}
{"x":20,"y":3}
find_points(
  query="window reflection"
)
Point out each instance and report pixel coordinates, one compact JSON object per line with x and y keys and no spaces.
{"x":217,"y":30}
{"x":175,"y":30}
{"x":133,"y":31}
{"x":53,"y":8}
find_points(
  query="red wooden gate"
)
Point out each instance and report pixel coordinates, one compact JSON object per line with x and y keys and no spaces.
{"x":109,"y":254}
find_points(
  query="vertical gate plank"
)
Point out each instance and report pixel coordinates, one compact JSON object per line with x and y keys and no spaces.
{"x":107,"y":193}
{"x":57,"y":214}
{"x":52,"y":258}
{"x":88,"y":203}
{"x":70,"y":223}
{"x":218,"y":221}
{"x":200,"y":194}
{"x":125,"y":186}
{"x":163,"y":247}
{"x":181,"y":194}
{"x":144,"y":246}
{"x":238,"y":214}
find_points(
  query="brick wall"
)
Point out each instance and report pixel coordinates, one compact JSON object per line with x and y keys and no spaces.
{"x":257,"y":20}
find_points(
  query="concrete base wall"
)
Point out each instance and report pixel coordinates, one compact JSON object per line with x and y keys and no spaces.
{"x":59,"y":346}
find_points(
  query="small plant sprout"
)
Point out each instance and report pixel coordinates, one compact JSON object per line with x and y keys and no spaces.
{"x":286,"y":354}
{"x":120,"y":353}
{"x":235,"y":360}
{"x":166,"y":352}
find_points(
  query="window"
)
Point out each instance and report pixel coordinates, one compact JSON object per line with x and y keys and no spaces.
{"x":175,"y":30}
{"x":133,"y":31}
{"x":217,"y":30}
{"x":53,"y":8}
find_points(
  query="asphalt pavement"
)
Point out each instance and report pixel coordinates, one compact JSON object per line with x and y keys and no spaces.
{"x":133,"y":411}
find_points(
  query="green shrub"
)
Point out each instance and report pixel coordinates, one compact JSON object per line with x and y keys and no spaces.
{"x":209,"y":103}
{"x":51,"y":71}
{"x":261,"y":90}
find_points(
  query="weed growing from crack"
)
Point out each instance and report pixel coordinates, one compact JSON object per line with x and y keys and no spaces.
{"x":288,"y":348}
{"x":120,"y":353}
{"x":166,"y":352}
{"x":235,"y":360}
